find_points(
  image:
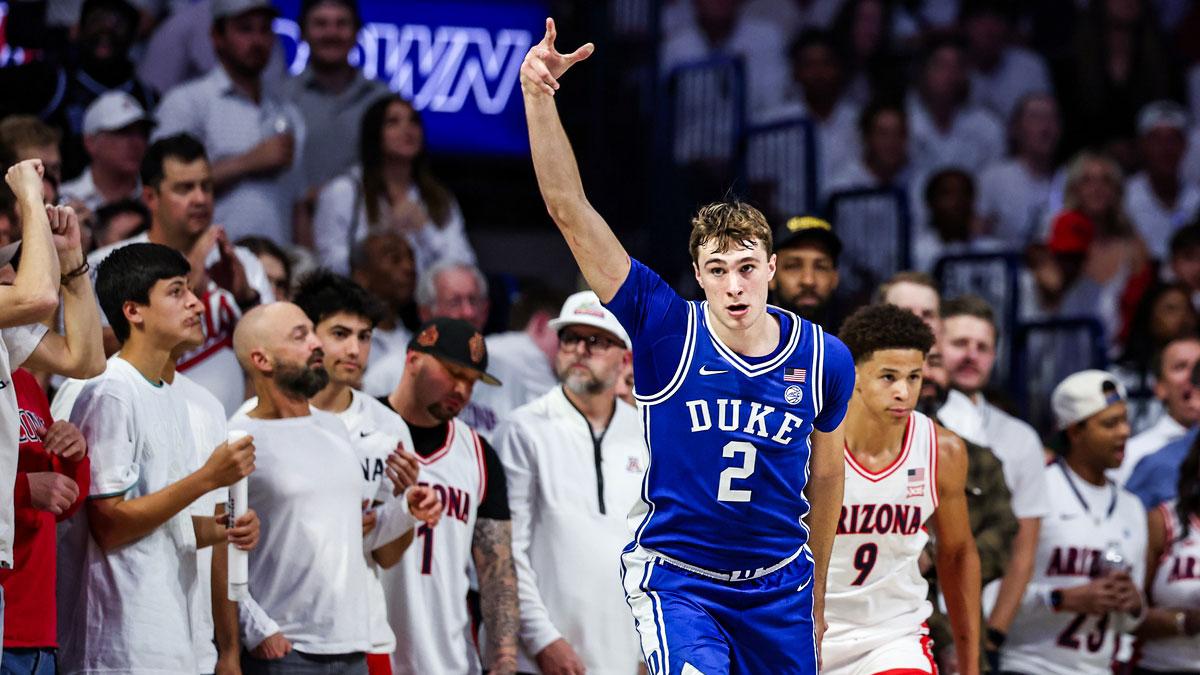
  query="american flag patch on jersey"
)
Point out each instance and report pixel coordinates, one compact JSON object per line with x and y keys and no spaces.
{"x":794,"y":375}
{"x":916,"y":482}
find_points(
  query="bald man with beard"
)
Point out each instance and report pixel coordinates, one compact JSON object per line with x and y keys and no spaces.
{"x":308,"y":578}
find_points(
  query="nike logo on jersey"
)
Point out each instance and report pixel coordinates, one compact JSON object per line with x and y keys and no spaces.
{"x":705,"y":371}
{"x":3,"y":384}
{"x":804,"y":585}
{"x":364,"y":434}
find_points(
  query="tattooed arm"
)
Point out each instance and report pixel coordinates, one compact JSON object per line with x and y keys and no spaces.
{"x":491,"y":548}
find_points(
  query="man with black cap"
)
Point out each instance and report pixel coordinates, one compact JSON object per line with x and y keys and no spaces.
{"x":806,"y":276}
{"x":425,"y":591}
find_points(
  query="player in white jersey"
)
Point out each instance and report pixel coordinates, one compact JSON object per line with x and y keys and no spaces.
{"x":1171,"y":632}
{"x":902,"y":471}
{"x":427,"y":590}
{"x":1092,"y":545}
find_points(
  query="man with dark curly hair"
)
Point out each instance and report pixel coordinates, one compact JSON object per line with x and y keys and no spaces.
{"x":902,"y":470}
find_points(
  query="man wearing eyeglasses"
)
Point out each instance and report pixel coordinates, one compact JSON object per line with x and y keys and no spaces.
{"x":574,"y":460}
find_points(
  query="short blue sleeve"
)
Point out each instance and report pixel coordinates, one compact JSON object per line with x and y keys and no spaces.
{"x":837,"y":384}
{"x":656,"y":319}
{"x":1155,"y":479}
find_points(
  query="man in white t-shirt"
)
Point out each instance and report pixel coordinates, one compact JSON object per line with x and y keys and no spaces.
{"x":969,"y":352}
{"x":575,"y":459}
{"x":309,"y":578}
{"x":1002,"y":73}
{"x":133,"y":556}
{"x":1174,"y":367}
{"x":1091,"y":551}
{"x":1158,"y":198}
{"x":343,"y":315}
{"x":177,"y":187}
{"x":1014,"y":194}
{"x":945,"y":129}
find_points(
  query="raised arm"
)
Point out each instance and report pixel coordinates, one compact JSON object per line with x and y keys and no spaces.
{"x":957,"y":558}
{"x":600,"y":256}
{"x":79,"y":352}
{"x":33,"y":295}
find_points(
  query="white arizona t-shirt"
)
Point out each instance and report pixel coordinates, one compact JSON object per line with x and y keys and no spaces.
{"x":308,"y":576}
{"x":129,"y":609}
{"x":16,"y":344}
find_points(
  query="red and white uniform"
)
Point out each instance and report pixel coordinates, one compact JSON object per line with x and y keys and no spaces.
{"x":1084,"y":520}
{"x":1176,"y":585}
{"x":427,"y":590}
{"x":876,"y":602}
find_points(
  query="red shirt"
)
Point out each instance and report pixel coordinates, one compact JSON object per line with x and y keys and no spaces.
{"x":30,"y":614}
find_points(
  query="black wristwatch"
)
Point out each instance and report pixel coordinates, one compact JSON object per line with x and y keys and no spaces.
{"x":1056,"y":599}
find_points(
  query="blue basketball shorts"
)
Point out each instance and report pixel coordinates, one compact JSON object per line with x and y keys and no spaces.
{"x":689,"y":623}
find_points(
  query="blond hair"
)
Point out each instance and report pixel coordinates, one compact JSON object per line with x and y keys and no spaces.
{"x":1114,"y":223}
{"x":729,"y":224}
{"x":26,"y":131}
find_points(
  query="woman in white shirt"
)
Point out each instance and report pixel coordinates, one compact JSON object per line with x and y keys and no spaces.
{"x":393,"y":188}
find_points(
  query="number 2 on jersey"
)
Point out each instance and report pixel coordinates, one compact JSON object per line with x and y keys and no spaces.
{"x":726,"y":493}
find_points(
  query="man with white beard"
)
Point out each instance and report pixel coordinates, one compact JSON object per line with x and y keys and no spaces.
{"x":553,"y":449}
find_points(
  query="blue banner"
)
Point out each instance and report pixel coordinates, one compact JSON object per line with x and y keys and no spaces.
{"x":456,"y":60}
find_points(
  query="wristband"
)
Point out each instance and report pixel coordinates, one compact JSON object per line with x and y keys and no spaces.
{"x":77,"y":272}
{"x":1181,"y":622}
{"x":996,"y":637}
{"x":1055,"y":599}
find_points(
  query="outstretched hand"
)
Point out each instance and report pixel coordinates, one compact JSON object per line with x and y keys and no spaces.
{"x":544,"y":64}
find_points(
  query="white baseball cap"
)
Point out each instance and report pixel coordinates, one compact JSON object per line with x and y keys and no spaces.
{"x":585,"y":309}
{"x":1162,"y":113}
{"x":1084,"y":394}
{"x":113,"y":110}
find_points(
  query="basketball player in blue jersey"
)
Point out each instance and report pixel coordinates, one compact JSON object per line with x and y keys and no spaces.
{"x":741,"y":405}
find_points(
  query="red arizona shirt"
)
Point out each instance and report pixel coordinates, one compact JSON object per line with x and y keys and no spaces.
{"x":30,"y":608}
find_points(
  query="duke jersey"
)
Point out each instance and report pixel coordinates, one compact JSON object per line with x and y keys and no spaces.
{"x":1083,"y":521}
{"x":875,"y":593}
{"x":728,"y":434}
{"x":427,"y":590}
{"x":1176,"y":584}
